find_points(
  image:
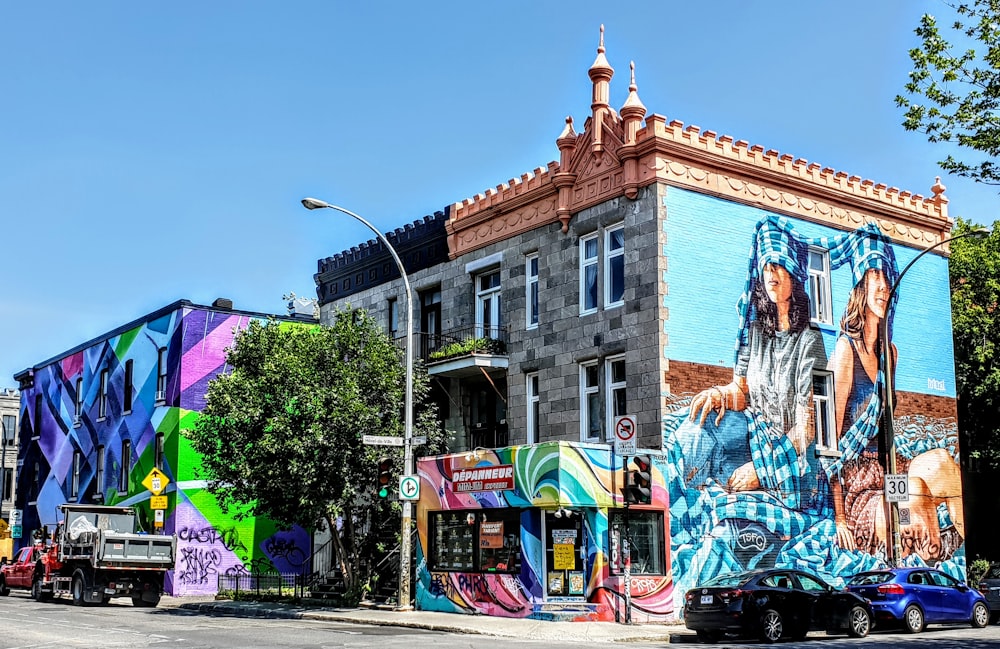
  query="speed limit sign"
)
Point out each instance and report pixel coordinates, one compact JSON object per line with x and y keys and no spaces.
{"x":897,"y":488}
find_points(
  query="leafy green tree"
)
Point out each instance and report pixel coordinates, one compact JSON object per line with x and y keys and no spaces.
{"x":953,"y":94}
{"x":280,"y":435}
{"x":975,"y":306}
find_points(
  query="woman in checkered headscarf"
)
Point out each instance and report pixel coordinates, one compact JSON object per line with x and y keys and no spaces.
{"x":857,"y":479}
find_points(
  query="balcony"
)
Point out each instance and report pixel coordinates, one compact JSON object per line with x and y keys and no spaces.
{"x":468,"y":351}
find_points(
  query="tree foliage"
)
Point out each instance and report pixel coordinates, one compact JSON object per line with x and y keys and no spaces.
{"x":281,"y":434}
{"x":975,"y":305}
{"x":953,"y":94}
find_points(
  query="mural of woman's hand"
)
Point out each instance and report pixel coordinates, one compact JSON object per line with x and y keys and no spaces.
{"x":744,"y":478}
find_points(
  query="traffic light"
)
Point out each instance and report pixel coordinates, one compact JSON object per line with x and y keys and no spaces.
{"x":384,"y":476}
{"x":638,"y":481}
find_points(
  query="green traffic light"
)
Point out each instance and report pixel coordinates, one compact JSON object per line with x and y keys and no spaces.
{"x":383,"y":492}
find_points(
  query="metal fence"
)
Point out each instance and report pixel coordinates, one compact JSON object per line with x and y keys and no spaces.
{"x":266,"y":583}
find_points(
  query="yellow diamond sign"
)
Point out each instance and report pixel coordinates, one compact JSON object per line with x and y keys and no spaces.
{"x":156,"y":481}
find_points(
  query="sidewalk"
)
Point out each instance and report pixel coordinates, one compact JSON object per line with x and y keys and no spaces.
{"x":449,"y":622}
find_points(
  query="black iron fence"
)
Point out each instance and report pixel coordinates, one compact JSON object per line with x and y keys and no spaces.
{"x":280,"y":584}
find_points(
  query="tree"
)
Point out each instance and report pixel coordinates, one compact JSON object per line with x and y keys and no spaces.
{"x":280,"y":435}
{"x":974,"y":267}
{"x":953,"y":95}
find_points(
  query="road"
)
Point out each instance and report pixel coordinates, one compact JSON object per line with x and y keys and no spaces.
{"x":27,"y":624}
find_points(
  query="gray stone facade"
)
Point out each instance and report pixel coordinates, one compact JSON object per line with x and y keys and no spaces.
{"x":563,"y":338}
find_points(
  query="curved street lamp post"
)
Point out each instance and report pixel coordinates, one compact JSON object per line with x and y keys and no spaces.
{"x":403,"y":603}
{"x":888,"y":388}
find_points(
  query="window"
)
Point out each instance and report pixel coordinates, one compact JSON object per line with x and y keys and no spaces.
{"x":488,"y":305}
{"x":127,"y":388}
{"x":74,"y":486}
{"x":614,"y":266}
{"x":161,"y":375}
{"x":616,"y":396}
{"x":533,"y":401}
{"x":8,"y":483}
{"x":36,"y":430}
{"x":531,"y":290}
{"x":820,"y":303}
{"x":393,"y":318}
{"x":158,"y":452}
{"x":475,"y":540}
{"x":102,"y":410}
{"x":99,"y":472}
{"x":9,"y":429}
{"x":78,"y":411}
{"x":591,"y":426}
{"x":588,"y":274}
{"x":126,"y":466}
{"x":647,"y":548}
{"x":823,"y":411}
{"x":430,"y":320}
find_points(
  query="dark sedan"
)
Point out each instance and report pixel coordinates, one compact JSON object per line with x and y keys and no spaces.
{"x":989,"y":586}
{"x":773,"y":604}
{"x":920,"y":596}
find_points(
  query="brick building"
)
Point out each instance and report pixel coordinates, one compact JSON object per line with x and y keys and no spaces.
{"x":620,"y":280}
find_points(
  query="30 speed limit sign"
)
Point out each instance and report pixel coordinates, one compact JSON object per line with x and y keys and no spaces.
{"x":897,"y":488}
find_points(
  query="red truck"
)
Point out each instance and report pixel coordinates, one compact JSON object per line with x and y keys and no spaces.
{"x":95,"y":554}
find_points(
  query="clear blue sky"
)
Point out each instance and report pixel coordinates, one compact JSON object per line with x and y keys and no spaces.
{"x":157,"y":151}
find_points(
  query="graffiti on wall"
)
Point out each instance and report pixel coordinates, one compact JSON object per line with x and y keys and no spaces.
{"x":784,"y":465}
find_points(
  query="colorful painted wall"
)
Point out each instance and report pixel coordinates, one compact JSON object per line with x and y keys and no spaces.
{"x":584,"y":478}
{"x":210,"y":541}
{"x":757,"y":488}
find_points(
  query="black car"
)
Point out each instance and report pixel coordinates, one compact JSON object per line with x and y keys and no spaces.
{"x":989,"y":586}
{"x":772,"y":604}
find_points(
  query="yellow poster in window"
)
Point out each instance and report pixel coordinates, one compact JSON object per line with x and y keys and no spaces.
{"x":562,"y":556}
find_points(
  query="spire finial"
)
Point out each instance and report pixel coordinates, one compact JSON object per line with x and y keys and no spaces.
{"x":631,"y":86}
{"x":600,"y":46}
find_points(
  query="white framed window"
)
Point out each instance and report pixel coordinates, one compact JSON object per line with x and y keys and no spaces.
{"x":591,"y":422}
{"x":158,"y":452}
{"x":532,"y":407}
{"x":102,"y":403}
{"x":531,"y":290}
{"x":161,"y":375}
{"x":9,"y":429}
{"x":488,"y":305}
{"x":823,"y":417}
{"x":126,"y":466}
{"x":74,"y":487}
{"x":99,"y":472}
{"x":614,"y":366}
{"x":78,"y":410}
{"x":614,"y":266}
{"x":588,"y":274}
{"x":820,"y":302}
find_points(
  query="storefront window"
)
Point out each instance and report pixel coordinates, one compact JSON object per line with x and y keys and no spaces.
{"x":645,"y":530}
{"x":479,"y":540}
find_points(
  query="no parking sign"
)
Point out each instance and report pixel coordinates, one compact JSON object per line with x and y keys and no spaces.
{"x":625,"y":433}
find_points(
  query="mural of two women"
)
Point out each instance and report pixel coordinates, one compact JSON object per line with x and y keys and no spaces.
{"x":748,"y":485}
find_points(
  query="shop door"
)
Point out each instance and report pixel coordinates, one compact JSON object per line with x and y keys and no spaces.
{"x":565,"y":549}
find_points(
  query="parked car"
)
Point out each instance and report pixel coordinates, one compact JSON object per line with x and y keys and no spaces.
{"x":989,"y":586}
{"x":920,"y":596}
{"x":772,"y":604}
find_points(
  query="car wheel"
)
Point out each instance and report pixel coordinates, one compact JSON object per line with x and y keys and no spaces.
{"x":36,"y":590}
{"x":77,"y":590}
{"x":980,"y":615}
{"x":771,"y":626}
{"x":707,"y":636}
{"x":4,"y":588}
{"x":858,"y":622}
{"x":913,"y":619}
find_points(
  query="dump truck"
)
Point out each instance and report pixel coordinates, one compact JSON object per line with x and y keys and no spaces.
{"x":95,"y":553}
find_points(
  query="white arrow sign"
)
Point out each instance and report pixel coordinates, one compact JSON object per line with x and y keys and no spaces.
{"x":409,"y":487}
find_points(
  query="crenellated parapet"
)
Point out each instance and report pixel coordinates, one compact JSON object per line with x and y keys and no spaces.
{"x":420,"y":244}
{"x":620,"y":152}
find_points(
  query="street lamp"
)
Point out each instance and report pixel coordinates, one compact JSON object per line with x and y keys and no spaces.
{"x":888,"y":388}
{"x":404,"y":542}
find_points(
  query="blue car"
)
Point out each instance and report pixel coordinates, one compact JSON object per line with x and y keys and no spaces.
{"x":920,"y":596}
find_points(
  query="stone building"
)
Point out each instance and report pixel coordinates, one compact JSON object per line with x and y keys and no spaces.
{"x":9,"y":399}
{"x":630,"y":281}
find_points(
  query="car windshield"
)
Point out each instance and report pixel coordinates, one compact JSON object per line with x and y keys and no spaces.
{"x":731,"y":579}
{"x":869,"y":578}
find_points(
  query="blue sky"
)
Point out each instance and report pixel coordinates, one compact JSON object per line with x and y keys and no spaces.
{"x":156,"y":151}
